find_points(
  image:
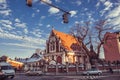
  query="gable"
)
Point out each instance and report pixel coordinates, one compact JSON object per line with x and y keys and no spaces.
{"x":67,"y":40}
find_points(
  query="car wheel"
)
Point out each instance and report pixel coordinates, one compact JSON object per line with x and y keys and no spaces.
{"x":88,"y":74}
{"x":99,"y":73}
{"x":37,"y":74}
{"x":11,"y":77}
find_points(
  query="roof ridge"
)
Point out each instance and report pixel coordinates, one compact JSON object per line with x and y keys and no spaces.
{"x":61,"y":32}
{"x":67,"y":39}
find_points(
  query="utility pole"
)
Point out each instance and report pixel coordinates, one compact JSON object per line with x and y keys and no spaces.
{"x":65,"y":15}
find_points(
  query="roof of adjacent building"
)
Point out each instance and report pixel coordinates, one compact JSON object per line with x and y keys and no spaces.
{"x":67,"y":40}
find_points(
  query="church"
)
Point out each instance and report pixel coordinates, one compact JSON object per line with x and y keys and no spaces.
{"x":62,"y":48}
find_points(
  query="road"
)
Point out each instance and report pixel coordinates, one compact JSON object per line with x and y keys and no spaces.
{"x":64,"y":77}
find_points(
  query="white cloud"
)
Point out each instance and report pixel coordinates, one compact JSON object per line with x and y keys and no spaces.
{"x":1,"y":30}
{"x":21,"y":25}
{"x":115,"y":22}
{"x":7,"y":24}
{"x":48,"y":25}
{"x":37,"y":32}
{"x":102,"y":1}
{"x":4,"y":8}
{"x":113,"y":18}
{"x":78,"y":2}
{"x":3,"y":4}
{"x":73,"y":13}
{"x":37,"y":10}
{"x":108,"y":5}
{"x":53,"y":10}
{"x":42,"y":17}
{"x":77,"y":22}
{"x":48,"y":1}
{"x":114,"y":13}
{"x":98,"y":4}
{"x":5,"y":12}
{"x":24,"y":45}
{"x":33,"y":15}
{"x":25,"y":31}
{"x":7,"y":35}
{"x":57,"y":1}
{"x":40,"y":24}
{"x":2,"y":1}
{"x":9,"y":27}
{"x":17,"y":20}
{"x":85,"y":9}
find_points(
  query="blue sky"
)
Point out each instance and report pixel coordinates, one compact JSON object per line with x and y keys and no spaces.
{"x":24,"y":29}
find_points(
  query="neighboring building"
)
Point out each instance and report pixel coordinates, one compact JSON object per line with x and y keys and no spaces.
{"x":34,"y":62}
{"x":112,"y":46}
{"x":62,"y":48}
{"x":15,"y":64}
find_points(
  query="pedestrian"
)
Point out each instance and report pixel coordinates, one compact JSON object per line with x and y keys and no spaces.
{"x":110,"y":70}
{"x":61,"y":69}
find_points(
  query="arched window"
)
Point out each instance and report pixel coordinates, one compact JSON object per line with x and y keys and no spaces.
{"x":59,"y":59}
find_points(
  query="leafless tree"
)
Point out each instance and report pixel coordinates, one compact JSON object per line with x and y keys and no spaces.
{"x":91,"y":34}
{"x":101,"y":28}
{"x":81,"y":32}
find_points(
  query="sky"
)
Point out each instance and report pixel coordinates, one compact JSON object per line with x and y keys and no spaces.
{"x":24,"y":29}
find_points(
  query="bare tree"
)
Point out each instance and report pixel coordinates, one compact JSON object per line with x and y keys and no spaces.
{"x":81,"y":32}
{"x":101,"y":28}
{"x":91,"y":35}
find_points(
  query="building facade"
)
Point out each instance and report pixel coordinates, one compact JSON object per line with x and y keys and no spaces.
{"x":112,"y":46}
{"x":62,"y":48}
{"x":15,"y":64}
{"x":35,"y":62}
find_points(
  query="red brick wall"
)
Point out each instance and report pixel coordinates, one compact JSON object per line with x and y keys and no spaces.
{"x":111,"y":47}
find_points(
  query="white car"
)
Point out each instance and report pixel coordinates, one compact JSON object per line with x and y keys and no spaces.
{"x":34,"y":73}
{"x":92,"y":71}
{"x":7,"y":70}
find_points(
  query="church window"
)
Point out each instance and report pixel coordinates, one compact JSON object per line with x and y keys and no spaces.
{"x":52,"y":57}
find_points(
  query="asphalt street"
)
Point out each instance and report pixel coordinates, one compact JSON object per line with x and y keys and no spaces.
{"x":67,"y":77}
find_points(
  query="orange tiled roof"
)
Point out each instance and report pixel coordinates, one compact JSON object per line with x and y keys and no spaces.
{"x":15,"y":64}
{"x":66,"y":39}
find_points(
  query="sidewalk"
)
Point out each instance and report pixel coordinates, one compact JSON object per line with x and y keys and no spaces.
{"x":68,"y":74}
{"x":54,"y":74}
{"x":63,"y":74}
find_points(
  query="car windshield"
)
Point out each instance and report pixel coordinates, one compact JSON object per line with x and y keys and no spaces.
{"x":6,"y":67}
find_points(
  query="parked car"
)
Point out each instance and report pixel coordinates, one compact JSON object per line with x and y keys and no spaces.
{"x":92,"y":71}
{"x":7,"y":70}
{"x":33,"y":72}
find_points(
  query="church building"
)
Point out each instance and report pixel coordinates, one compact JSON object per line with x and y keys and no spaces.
{"x":62,"y":48}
